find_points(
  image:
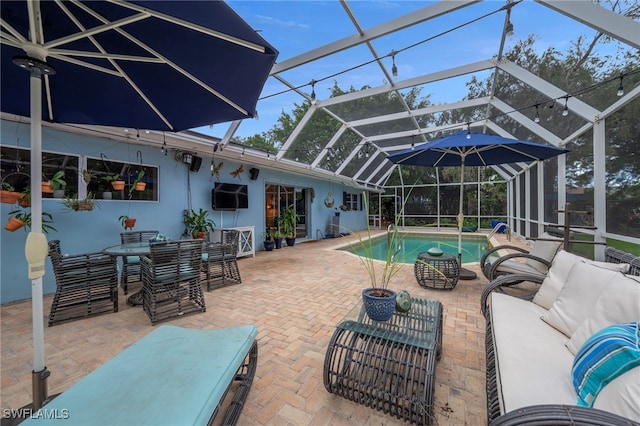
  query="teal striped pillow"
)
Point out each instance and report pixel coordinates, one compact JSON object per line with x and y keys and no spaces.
{"x":604,"y":356}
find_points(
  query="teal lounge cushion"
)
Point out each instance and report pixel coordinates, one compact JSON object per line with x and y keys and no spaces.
{"x":604,"y":356}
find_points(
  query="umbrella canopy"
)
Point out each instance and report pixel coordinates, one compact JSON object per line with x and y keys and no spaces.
{"x":157,"y":65}
{"x":473,"y":149}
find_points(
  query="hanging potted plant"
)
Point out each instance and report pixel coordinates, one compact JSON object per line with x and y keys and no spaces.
{"x":22,"y":218}
{"x":116,"y":183}
{"x":199,"y":224}
{"x":127,"y":222}
{"x":73,"y":202}
{"x":24,"y":200}
{"x":111,"y":180}
{"x":8,"y":194}
{"x":138,"y":184}
{"x":55,"y":185}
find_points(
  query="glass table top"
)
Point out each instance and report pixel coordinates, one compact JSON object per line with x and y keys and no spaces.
{"x":418,"y":327}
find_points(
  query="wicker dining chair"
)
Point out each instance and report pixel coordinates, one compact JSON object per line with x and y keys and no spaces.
{"x":220,"y":260}
{"x":86,"y":284}
{"x":171,"y":279}
{"x":131,"y":264}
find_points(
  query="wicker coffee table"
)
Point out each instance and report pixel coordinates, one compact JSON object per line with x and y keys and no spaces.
{"x":389,"y":366}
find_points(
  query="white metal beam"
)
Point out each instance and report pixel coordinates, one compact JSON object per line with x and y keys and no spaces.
{"x":527,"y":122}
{"x":591,"y":14}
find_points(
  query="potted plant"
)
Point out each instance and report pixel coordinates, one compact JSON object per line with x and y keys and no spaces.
{"x":73,"y":202}
{"x":199,"y":224}
{"x":277,"y":238}
{"x":22,"y":218}
{"x":8,"y":193}
{"x":55,"y":185}
{"x":267,"y":240}
{"x":24,"y":199}
{"x":287,"y":221}
{"x":138,"y":184}
{"x":127,"y":222}
{"x":116,"y":182}
{"x":378,"y":300}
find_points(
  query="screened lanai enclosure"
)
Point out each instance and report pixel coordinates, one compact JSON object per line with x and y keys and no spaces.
{"x":554,"y":72}
{"x":356,"y":81}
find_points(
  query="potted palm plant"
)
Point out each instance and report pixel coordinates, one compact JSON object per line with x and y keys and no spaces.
{"x":287,"y":221}
{"x":199,"y":224}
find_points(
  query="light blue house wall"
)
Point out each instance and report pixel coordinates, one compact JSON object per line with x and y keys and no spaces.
{"x":87,"y":231}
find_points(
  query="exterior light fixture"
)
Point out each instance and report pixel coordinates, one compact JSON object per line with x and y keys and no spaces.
{"x":313,"y":90}
{"x":164,"y":149}
{"x":509,"y":29}
{"x":565,"y":110}
{"x":33,"y":65}
{"x":536,"y":119}
{"x":394,"y":68}
{"x":620,"y":91}
{"x":468,"y":131}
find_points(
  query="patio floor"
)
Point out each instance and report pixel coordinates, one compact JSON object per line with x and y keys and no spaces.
{"x":295,"y":296}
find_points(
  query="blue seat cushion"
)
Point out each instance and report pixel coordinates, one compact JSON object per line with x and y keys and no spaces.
{"x":606,"y":355}
{"x":133,"y":259}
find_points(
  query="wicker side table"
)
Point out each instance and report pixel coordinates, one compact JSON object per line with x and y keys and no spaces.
{"x":388,"y":366}
{"x":439,"y":272}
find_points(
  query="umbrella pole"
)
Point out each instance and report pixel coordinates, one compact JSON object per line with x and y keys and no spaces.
{"x":460,"y":213}
{"x":40,"y":372}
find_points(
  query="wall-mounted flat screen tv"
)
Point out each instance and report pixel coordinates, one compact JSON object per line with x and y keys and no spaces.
{"x":229,"y":196}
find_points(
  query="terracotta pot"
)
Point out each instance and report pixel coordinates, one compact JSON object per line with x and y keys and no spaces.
{"x":9,"y":197}
{"x":14,"y":224}
{"x":24,"y":202}
{"x":46,"y":188}
{"x":129,"y":223}
{"x":117,"y":185}
{"x":200,"y":235}
{"x":140,"y":186}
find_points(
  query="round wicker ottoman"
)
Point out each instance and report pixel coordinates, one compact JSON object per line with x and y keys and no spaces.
{"x":439,"y":272}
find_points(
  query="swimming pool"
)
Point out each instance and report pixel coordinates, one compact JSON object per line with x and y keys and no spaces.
{"x":473,"y":246}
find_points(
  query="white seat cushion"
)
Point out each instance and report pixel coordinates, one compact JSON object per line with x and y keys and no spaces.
{"x":558,"y":273}
{"x":534,"y":366}
{"x":512,"y":266}
{"x":545,"y":250}
{"x":621,"y":396}
{"x":578,"y":296}
{"x":619,"y":304}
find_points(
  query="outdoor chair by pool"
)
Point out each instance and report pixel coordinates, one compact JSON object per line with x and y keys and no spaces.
{"x":220,"y":260}
{"x":131,"y":264}
{"x":536,"y":261}
{"x":171,"y":279}
{"x":86,"y":284}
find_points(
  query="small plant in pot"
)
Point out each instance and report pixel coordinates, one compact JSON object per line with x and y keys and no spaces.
{"x":127,"y":222}
{"x":57,"y":184}
{"x":277,"y":238}
{"x":378,"y":300}
{"x":116,"y":183}
{"x":199,"y":224}
{"x":267,"y":240}
{"x":22,"y":218}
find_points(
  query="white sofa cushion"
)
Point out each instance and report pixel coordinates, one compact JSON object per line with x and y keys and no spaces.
{"x":545,"y":250}
{"x":533,"y":363}
{"x":619,"y":304}
{"x":512,"y":266}
{"x":621,"y":396}
{"x":578,"y":297}
{"x":558,"y":273}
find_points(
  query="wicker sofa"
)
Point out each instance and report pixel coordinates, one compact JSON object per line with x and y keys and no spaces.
{"x":536,"y":325}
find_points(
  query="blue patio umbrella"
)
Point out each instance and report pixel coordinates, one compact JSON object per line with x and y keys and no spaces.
{"x":156,"y":65}
{"x":473,"y":149}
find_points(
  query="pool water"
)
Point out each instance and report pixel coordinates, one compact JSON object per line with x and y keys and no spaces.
{"x":473,"y":246}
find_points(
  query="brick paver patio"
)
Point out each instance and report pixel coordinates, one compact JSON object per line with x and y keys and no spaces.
{"x":295,"y":296}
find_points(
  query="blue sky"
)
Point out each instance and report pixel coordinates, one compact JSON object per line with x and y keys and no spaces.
{"x":295,"y":27}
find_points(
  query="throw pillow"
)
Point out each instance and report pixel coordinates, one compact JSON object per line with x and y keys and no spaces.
{"x":603,"y":357}
{"x":578,"y":297}
{"x":558,"y":273}
{"x":619,"y":304}
{"x":545,"y":250}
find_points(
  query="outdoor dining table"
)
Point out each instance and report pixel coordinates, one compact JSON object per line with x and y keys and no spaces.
{"x":131,"y":249}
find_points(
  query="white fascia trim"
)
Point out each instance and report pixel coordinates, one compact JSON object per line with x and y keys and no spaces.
{"x":613,"y":24}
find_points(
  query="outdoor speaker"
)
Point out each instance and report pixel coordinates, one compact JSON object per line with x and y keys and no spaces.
{"x":195,"y":163}
{"x":253,"y":173}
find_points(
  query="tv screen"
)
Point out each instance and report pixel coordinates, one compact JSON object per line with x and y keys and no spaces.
{"x":229,"y":196}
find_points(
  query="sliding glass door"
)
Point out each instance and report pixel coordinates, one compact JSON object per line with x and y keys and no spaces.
{"x":278,"y":198}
